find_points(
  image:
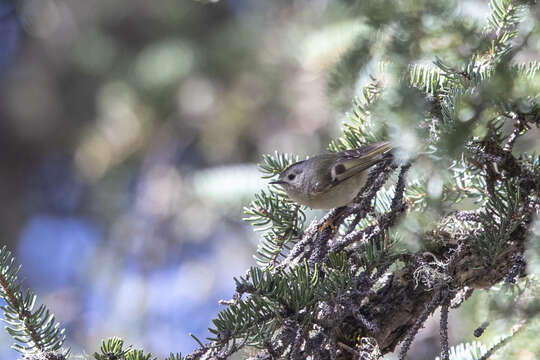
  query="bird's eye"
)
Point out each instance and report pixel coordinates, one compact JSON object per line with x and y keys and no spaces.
{"x":291,"y":176}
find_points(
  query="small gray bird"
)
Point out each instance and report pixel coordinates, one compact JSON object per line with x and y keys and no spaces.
{"x":330,"y":180}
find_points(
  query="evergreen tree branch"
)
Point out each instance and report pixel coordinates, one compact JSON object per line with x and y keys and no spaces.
{"x":35,"y":331}
{"x":408,"y":301}
{"x":468,"y":249}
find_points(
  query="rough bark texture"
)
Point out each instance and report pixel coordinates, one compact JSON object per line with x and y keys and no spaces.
{"x":397,"y":306}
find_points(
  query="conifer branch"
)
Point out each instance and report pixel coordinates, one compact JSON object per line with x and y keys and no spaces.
{"x":487,"y":239}
{"x":34,"y":330}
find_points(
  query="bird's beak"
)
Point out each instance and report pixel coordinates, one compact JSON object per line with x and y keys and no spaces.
{"x":277,"y":182}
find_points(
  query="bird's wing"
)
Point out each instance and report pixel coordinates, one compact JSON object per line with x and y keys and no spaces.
{"x":366,"y":150}
{"x":355,"y":161}
{"x":351,"y":163}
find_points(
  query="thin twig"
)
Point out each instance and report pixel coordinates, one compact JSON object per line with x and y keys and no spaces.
{"x":307,"y":238}
{"x":430,"y":307}
{"x":444,"y":326}
{"x":397,"y":207}
{"x":501,"y":343}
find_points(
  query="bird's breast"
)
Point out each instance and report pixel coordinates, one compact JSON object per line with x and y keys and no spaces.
{"x":339,"y":195}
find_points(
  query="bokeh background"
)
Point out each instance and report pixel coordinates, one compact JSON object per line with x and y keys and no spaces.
{"x":130,"y":133}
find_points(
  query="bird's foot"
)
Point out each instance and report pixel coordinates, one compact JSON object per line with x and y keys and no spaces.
{"x":328,"y":224}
